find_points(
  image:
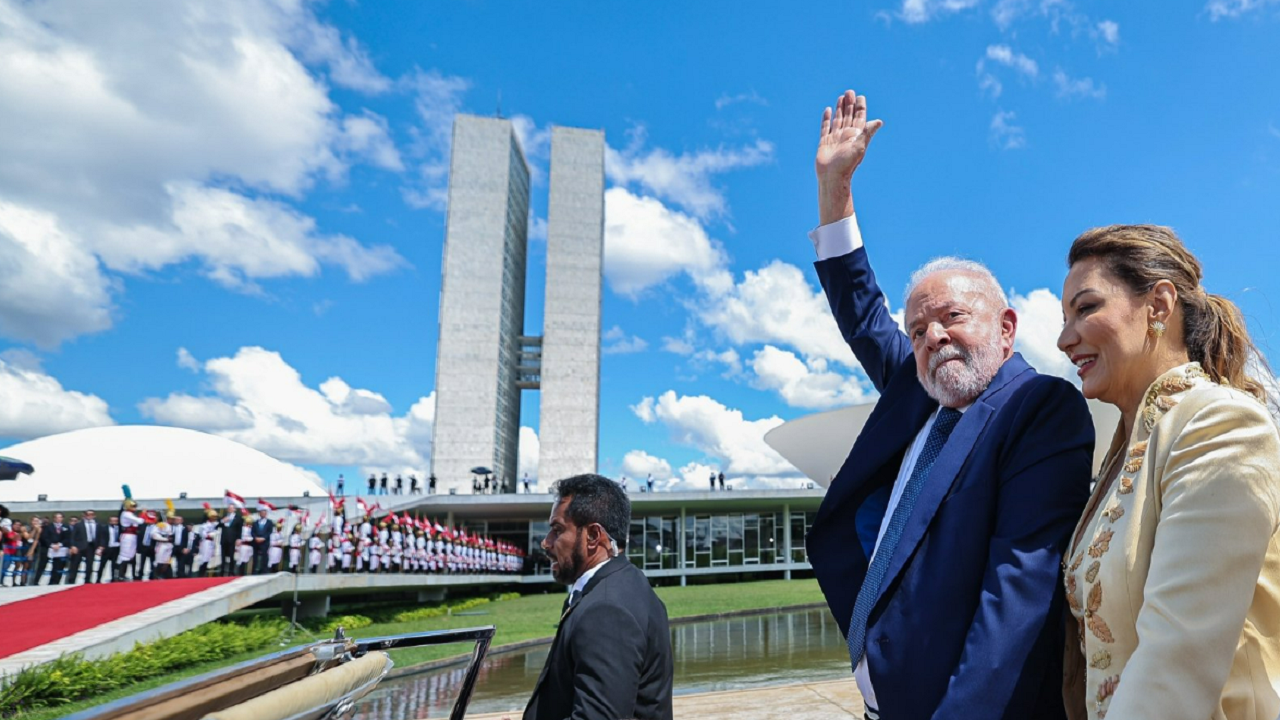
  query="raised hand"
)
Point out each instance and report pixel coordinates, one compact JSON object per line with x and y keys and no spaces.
{"x":841,"y":146}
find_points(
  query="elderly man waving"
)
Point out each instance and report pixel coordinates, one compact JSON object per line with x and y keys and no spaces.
{"x":939,"y":542}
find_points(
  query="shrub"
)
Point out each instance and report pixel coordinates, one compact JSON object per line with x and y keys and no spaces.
{"x":71,"y":677}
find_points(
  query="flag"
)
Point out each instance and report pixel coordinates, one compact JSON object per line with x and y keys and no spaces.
{"x":321,"y":521}
{"x":295,"y":508}
{"x":234,"y":499}
{"x":265,"y":504}
{"x":364,"y":507}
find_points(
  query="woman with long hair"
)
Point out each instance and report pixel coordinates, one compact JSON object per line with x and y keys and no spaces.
{"x":1173,"y":573}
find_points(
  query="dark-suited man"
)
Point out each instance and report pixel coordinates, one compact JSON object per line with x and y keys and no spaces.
{"x":85,"y":544}
{"x":55,"y":538}
{"x":228,"y":533}
{"x":611,"y":656}
{"x":110,"y":548}
{"x":183,"y":548}
{"x":261,"y":533}
{"x":939,"y":541}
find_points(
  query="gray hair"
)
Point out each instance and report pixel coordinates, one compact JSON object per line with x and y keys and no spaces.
{"x":955,"y":264}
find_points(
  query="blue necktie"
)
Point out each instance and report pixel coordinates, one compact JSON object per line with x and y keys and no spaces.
{"x":942,"y":427}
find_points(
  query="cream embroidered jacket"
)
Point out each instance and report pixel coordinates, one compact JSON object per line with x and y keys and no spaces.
{"x":1174,"y":582}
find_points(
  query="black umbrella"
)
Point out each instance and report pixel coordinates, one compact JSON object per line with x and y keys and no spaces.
{"x":481,"y":471}
{"x":10,"y":467}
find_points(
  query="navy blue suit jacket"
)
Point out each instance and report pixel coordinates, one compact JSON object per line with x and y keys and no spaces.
{"x":968,"y":622}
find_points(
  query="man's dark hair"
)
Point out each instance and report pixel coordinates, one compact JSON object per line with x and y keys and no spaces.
{"x":597,"y":499}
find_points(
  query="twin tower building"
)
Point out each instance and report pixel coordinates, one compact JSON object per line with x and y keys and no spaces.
{"x":485,"y":357}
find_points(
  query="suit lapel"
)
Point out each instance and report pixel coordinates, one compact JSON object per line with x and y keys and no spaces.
{"x":947,"y":468}
{"x":880,"y":441}
{"x":609,"y":567}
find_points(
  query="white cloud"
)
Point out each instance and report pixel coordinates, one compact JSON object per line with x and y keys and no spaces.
{"x":617,"y":342}
{"x":919,"y":11}
{"x":640,"y":465}
{"x":238,"y":240}
{"x":187,"y":361}
{"x":1069,"y":87}
{"x":259,"y":400}
{"x":988,"y":84}
{"x":1039,"y":324}
{"x":437,"y":99}
{"x":1006,"y":135}
{"x":36,"y":404}
{"x":728,"y":358}
{"x":368,"y":135}
{"x":108,"y":114}
{"x":1006,"y":56}
{"x":349,"y":65}
{"x":536,"y":143}
{"x":776,"y":305}
{"x":1108,"y":32}
{"x":1219,"y":9}
{"x":53,"y":289}
{"x":718,"y":431}
{"x":682,"y":179}
{"x":805,"y":385}
{"x":752,"y":97}
{"x":527,"y":456}
{"x":646,"y":243}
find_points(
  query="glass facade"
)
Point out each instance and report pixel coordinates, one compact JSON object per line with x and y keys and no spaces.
{"x":734,"y":539}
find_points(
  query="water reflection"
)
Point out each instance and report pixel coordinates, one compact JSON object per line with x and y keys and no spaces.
{"x":718,"y":655}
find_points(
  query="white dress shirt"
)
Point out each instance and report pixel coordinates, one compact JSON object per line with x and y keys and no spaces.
{"x":586,"y":577}
{"x":841,"y":238}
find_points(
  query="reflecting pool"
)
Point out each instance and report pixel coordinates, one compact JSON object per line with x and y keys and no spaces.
{"x":731,"y":654}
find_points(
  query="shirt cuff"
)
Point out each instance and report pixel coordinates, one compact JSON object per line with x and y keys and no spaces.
{"x":838,"y":238}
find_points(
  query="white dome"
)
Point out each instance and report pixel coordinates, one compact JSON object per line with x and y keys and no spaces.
{"x":155,"y":462}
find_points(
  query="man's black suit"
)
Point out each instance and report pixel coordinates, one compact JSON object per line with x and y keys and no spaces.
{"x":611,"y":657}
{"x":182,"y":541}
{"x":49,"y":535}
{"x":110,"y":536}
{"x":229,"y":533}
{"x":86,"y":545}
{"x":262,"y":528}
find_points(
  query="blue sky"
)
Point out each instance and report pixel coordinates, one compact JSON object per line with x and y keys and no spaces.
{"x":234,"y":221}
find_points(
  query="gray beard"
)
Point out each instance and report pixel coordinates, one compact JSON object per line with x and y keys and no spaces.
{"x":955,"y":385}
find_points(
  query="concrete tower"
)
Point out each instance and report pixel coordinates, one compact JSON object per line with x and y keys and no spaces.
{"x":481,"y":304}
{"x":569,"y":415}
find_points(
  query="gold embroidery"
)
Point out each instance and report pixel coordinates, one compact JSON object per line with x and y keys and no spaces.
{"x":1133,"y":465}
{"x":1108,"y":687}
{"x":1096,"y":624}
{"x":1126,"y":485}
{"x":1092,"y":573}
{"x":1138,"y":450}
{"x":1149,"y":417}
{"x":1075,"y":564}
{"x":1115,"y":513}
{"x":1166,"y":403}
{"x":1101,"y":544}
{"x":1072,"y":598}
{"x":1101,"y":660}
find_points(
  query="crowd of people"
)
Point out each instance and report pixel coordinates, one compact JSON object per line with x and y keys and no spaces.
{"x":138,"y":544}
{"x":385,"y":486}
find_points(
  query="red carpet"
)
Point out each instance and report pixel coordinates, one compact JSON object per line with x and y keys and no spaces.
{"x":31,"y":623}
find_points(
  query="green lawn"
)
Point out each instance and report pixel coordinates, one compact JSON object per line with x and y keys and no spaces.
{"x":524,"y":618}
{"x":535,"y":616}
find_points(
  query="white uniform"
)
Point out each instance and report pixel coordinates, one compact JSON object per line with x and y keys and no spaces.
{"x":207,"y":532}
{"x":295,"y":551}
{"x":276,"y":550}
{"x":128,"y":540}
{"x":315,"y":545}
{"x":162,"y":538}
{"x":244,"y":551}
